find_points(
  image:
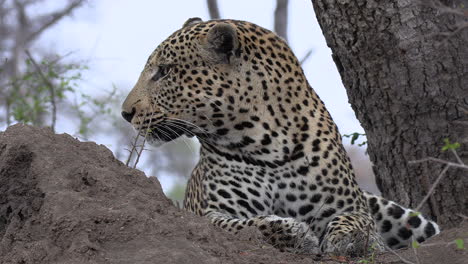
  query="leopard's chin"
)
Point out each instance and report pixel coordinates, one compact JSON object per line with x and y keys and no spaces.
{"x":167,"y":131}
{"x":158,"y":139}
{"x":155,"y":142}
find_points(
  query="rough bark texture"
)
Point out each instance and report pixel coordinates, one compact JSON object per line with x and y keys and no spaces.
{"x":408,"y":85}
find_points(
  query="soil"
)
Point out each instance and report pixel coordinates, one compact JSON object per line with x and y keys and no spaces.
{"x":66,"y":201}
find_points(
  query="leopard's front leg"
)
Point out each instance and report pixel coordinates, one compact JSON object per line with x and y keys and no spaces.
{"x":351,"y":234}
{"x":282,"y":232}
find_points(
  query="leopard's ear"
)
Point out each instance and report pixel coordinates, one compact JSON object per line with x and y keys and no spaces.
{"x":192,"y":21}
{"x":221,"y":42}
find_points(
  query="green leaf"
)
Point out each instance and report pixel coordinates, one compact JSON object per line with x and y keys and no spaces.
{"x":448,"y":145}
{"x":414,"y":214}
{"x":355,"y":136}
{"x":460,"y":243}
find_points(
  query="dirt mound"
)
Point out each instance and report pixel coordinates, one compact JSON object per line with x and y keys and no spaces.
{"x":65,"y":201}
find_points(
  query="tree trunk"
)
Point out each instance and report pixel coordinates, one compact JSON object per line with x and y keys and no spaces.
{"x":404,"y":64}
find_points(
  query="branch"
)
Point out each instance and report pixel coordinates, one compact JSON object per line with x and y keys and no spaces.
{"x":439,"y":244}
{"x":49,"y":85}
{"x":458,"y":28}
{"x":398,"y":255}
{"x":27,"y":30}
{"x":415,"y":251}
{"x":441,"y":9}
{"x":134,"y":146}
{"x":452,"y":164}
{"x":306,"y":57}
{"x":213,"y":9}
{"x":431,"y":190}
{"x":142,"y":144}
{"x":281,"y":19}
{"x":444,"y":10}
{"x":54,"y":18}
{"x":448,"y":164}
{"x":458,"y":158}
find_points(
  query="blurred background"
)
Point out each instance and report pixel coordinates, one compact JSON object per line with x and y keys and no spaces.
{"x":68,"y":65}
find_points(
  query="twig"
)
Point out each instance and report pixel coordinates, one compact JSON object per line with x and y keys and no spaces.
{"x":464,"y":217}
{"x":144,"y":139}
{"x":142,"y":147}
{"x":49,"y":85}
{"x":398,"y":255}
{"x":457,"y":157}
{"x":438,"y":244}
{"x":431,"y":190}
{"x":451,"y":164}
{"x":448,"y":164}
{"x":8,"y":110}
{"x":300,"y":240}
{"x":139,"y":152}
{"x":53,"y":18}
{"x":415,"y":252}
{"x":366,"y":245}
{"x":458,"y":28}
{"x":306,"y":56}
{"x":443,"y":10}
{"x":134,"y":146}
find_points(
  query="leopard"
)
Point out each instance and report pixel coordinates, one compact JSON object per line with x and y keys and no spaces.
{"x":271,"y":156}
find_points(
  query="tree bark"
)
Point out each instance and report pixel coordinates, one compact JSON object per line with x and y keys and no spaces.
{"x":404,"y":64}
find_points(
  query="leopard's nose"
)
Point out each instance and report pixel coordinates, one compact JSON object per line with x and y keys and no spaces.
{"x":128,"y":116}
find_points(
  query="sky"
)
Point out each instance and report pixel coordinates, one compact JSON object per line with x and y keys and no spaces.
{"x":115,"y":38}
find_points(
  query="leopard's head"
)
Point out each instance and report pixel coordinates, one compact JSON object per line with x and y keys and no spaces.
{"x":221,"y":80}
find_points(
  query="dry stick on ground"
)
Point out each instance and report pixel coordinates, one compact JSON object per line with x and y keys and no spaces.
{"x":300,"y":240}
{"x":49,"y":85}
{"x":438,"y":244}
{"x":398,"y":255}
{"x":448,"y":164}
{"x":464,"y":217}
{"x":366,"y":245}
{"x":415,"y":251}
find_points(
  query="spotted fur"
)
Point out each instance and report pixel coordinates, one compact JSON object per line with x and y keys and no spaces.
{"x":271,"y":155}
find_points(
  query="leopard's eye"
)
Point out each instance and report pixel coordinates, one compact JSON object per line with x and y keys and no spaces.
{"x":163,"y":71}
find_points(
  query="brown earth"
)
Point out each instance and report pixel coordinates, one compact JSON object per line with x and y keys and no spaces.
{"x":66,"y":201}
